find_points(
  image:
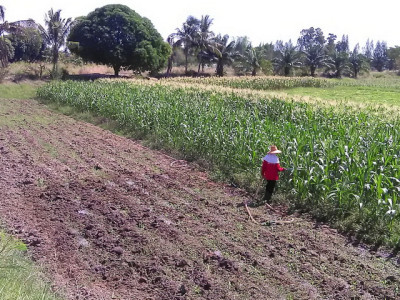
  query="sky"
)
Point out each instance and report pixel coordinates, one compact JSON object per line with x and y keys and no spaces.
{"x":262,"y":21}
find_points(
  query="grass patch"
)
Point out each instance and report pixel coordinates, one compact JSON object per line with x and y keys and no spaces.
{"x":20,"y":279}
{"x":19,"y":91}
{"x":370,"y":94}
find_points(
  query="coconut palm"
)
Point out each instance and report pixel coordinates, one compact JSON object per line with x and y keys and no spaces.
{"x":55,"y":33}
{"x":186,"y":37}
{"x":205,"y":40}
{"x":315,"y":57}
{"x":171,"y":42}
{"x":252,"y":59}
{"x":340,"y":63}
{"x":249,"y":58}
{"x":224,"y":53}
{"x":287,"y":57}
{"x":358,"y":61}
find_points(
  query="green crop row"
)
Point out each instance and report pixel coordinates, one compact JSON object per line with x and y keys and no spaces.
{"x":346,"y":161}
{"x":257,"y":83}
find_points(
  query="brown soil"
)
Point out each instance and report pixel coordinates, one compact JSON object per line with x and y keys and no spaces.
{"x":111,"y":219}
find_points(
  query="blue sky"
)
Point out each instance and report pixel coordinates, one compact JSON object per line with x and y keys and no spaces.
{"x":263,"y":21}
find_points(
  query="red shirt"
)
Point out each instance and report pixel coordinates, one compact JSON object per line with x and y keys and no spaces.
{"x":271,"y":167}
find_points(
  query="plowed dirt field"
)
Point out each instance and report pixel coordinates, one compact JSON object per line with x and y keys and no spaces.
{"x":111,"y":219}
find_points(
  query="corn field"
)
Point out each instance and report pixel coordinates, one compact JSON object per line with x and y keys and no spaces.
{"x":257,"y":83}
{"x":345,"y":160}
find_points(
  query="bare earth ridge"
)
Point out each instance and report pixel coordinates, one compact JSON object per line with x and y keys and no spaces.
{"x":111,"y":219}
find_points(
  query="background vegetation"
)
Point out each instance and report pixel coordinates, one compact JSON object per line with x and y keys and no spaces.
{"x":132,"y":43}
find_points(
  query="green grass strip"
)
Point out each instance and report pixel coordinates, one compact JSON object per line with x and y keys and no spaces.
{"x":20,"y":279}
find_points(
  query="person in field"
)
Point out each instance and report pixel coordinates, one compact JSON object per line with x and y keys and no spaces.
{"x":270,"y":171}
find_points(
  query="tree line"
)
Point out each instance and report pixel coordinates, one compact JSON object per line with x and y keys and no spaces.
{"x":194,"y":41}
{"x":117,"y":36}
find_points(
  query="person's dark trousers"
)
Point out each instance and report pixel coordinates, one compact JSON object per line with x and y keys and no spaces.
{"x":269,"y":189}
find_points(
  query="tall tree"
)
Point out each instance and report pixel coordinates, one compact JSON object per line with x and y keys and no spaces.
{"x":394,"y":58}
{"x":250,"y":60}
{"x":358,"y":61}
{"x":315,"y":57}
{"x":287,"y":57}
{"x":311,"y":44}
{"x":340,"y":57}
{"x":2,"y":13}
{"x":380,"y":56}
{"x":27,"y":43}
{"x":343,"y":45}
{"x":369,"y":49}
{"x":331,"y":44}
{"x":186,"y":37}
{"x":117,"y":36}
{"x":55,"y":33}
{"x":205,"y":40}
{"x":309,"y":38}
{"x":171,"y":42}
{"x":225,"y":53}
{"x":6,"y":49}
{"x":267,"y":50}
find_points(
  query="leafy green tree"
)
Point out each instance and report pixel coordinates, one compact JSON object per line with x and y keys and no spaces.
{"x":186,"y":37}
{"x":310,"y":37}
{"x":358,"y":61}
{"x":242,"y":44}
{"x":267,"y":68}
{"x":55,"y":33}
{"x":27,"y":44}
{"x":267,"y":51}
{"x":311,"y":44}
{"x":287,"y":57}
{"x":116,"y":35}
{"x":330,"y":46}
{"x":6,"y":49}
{"x":369,"y":49}
{"x":380,"y":56}
{"x":394,"y":58}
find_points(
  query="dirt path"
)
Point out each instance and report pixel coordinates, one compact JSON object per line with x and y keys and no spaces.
{"x":110,"y":219}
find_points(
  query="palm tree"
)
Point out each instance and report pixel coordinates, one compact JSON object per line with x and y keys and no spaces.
{"x":358,"y":61}
{"x":287,"y":57}
{"x":315,"y":57}
{"x":252,"y":59}
{"x":186,"y":37}
{"x":249,"y":58}
{"x":171,"y":42}
{"x":340,"y":63}
{"x":205,"y":40}
{"x":224,"y":52}
{"x":55,"y":34}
